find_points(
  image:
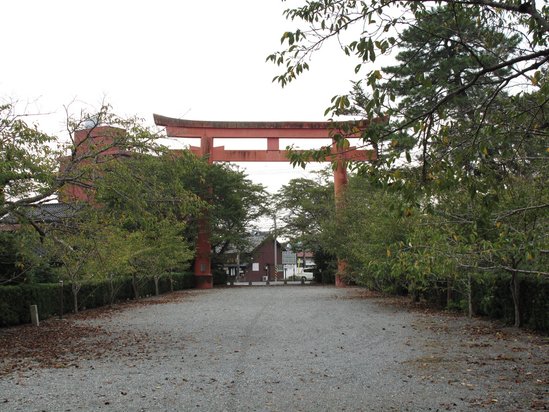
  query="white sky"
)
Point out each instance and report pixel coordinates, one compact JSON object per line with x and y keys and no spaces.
{"x":202,"y":60}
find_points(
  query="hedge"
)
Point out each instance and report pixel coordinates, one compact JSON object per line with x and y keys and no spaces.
{"x":15,"y":300}
{"x":493,"y":298}
{"x":219,"y":277}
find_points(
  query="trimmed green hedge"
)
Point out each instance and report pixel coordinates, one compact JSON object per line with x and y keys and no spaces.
{"x":15,"y":300}
{"x":493,"y":298}
{"x":219,"y":277}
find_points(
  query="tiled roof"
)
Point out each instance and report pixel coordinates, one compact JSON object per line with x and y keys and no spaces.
{"x":43,"y":213}
{"x":254,"y":240}
{"x":257,"y":238}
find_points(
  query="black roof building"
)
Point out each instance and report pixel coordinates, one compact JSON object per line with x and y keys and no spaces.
{"x":42,"y":213}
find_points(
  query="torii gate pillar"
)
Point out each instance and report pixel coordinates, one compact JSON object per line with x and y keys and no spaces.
{"x":340,"y":184}
{"x":202,"y":262}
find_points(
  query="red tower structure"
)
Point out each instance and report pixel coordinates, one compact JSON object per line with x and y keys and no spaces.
{"x":98,"y":144}
{"x":207,"y":131}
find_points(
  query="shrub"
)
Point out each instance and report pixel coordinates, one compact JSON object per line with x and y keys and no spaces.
{"x":15,"y":300}
{"x":220,"y":277}
{"x":493,"y":298}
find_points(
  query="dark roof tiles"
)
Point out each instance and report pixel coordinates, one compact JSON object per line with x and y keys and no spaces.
{"x":43,"y":213}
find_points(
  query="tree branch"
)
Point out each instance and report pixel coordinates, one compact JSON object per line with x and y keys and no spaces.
{"x":529,"y":272}
{"x":522,"y":209}
{"x":528,"y":7}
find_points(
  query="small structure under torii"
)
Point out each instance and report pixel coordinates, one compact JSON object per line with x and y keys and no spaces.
{"x":207,"y":131}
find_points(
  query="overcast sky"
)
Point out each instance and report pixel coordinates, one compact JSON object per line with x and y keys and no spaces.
{"x":202,"y":60}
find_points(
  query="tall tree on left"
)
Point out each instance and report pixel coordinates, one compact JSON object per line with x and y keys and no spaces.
{"x":29,"y":158}
{"x":27,"y":162}
{"x":30,"y":171}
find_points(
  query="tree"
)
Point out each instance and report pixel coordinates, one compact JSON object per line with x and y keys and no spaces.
{"x":21,"y":260}
{"x":145,"y":187}
{"x":306,"y":207}
{"x":160,"y":248}
{"x":236,"y":203}
{"x":27,"y":162}
{"x":379,"y":26}
{"x":368,"y":233}
{"x":114,"y":253}
{"x":463,"y":49}
{"x":29,"y":167}
{"x":149,"y":198}
{"x":466,"y":120}
{"x":30,"y":173}
{"x":144,"y":202}
{"x":145,"y":192}
{"x":75,"y":246}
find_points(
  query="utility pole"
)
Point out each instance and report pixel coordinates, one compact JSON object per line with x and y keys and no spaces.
{"x":238,"y":265}
{"x":274,"y":242}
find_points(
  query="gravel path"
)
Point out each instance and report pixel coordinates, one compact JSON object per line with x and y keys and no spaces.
{"x":281,"y":349}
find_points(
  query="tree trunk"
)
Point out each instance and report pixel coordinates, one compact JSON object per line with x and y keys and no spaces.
{"x":448,"y":293}
{"x":516,"y":296}
{"x":75,"y":289}
{"x":469,"y":295}
{"x":156,"y":288}
{"x":171,"y":283}
{"x":414,"y":294}
{"x":135,"y":289}
{"x":111,"y":289}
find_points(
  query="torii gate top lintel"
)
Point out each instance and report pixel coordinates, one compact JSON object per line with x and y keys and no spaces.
{"x":238,"y":128}
{"x":272,"y":131}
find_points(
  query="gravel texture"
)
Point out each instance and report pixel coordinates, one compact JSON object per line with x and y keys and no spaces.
{"x":277,"y":348}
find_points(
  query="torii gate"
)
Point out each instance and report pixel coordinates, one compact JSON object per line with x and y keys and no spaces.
{"x":207,"y":131}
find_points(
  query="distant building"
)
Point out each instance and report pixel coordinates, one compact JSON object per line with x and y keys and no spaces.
{"x":95,"y":145}
{"x":257,"y":262}
{"x":40,"y":214}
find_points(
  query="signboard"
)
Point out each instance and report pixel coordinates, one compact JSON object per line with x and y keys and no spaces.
{"x":288,"y":258}
{"x":255,"y":267}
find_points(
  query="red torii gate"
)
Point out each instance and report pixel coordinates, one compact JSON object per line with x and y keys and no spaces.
{"x":207,"y":131}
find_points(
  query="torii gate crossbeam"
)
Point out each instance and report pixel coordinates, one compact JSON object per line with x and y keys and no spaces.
{"x":207,"y":131}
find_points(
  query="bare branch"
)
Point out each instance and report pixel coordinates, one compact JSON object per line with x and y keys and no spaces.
{"x":522,"y":209}
{"x":528,"y":272}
